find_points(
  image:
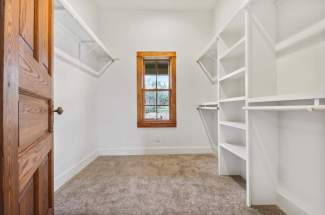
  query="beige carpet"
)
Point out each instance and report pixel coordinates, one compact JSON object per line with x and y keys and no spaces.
{"x":154,"y":185}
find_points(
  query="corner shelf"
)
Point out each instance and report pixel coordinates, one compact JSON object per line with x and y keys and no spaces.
{"x":77,"y":44}
{"x":239,"y":151}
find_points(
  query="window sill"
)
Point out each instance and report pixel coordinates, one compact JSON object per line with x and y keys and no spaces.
{"x":157,"y":124}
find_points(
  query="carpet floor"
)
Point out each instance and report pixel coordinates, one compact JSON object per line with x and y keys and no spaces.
{"x":155,"y":185}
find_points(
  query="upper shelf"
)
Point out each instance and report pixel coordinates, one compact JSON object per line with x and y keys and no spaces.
{"x":283,"y":98}
{"x":208,"y":60}
{"x":234,"y":30}
{"x":76,"y":43}
{"x":312,"y":31}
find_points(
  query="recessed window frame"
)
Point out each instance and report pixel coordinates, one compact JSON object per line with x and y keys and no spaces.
{"x":149,"y":123}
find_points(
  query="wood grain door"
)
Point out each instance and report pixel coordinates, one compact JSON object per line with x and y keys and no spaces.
{"x":26,"y":148}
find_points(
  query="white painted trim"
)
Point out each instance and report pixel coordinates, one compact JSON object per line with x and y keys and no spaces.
{"x":65,"y":176}
{"x":289,"y":206}
{"x":154,"y":151}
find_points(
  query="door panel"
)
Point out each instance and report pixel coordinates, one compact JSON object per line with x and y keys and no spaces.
{"x":26,"y":203}
{"x":42,"y":178}
{"x":30,"y":160}
{"x":34,"y":78}
{"x":33,"y":120}
{"x":26,"y":21}
{"x":44,"y":23}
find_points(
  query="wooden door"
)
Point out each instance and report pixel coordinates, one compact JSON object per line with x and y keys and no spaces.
{"x":26,"y":148}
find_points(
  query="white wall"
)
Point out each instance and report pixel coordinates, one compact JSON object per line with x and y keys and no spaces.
{"x":223,"y":11}
{"x":74,"y":131}
{"x":125,"y":33}
{"x":88,"y":10}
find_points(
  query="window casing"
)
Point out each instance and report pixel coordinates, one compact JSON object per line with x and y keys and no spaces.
{"x":156,"y":89}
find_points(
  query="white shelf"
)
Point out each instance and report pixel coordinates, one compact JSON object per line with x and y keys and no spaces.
{"x":239,"y":151}
{"x":309,"y":108}
{"x":77,"y":44}
{"x":208,"y":108}
{"x":238,"y":74}
{"x":237,"y":50}
{"x":281,"y":98}
{"x":234,"y":99}
{"x":238,"y":125}
{"x":208,"y":60}
{"x":210,"y":103}
{"x":309,"y":32}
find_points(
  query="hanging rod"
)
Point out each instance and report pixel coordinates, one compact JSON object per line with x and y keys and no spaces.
{"x":309,"y":108}
{"x":208,"y":107}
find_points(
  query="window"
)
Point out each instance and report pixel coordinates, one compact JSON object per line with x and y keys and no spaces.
{"x":156,"y":86}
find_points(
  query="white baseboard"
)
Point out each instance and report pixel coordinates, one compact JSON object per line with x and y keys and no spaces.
{"x":154,"y":151}
{"x":288,"y":205}
{"x":74,"y":170}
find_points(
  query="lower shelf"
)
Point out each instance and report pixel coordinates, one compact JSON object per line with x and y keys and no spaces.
{"x":239,"y":151}
{"x":238,"y":125}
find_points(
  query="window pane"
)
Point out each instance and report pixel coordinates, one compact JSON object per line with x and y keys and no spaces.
{"x":163,"y":98}
{"x":163,"y":67}
{"x":150,"y":112}
{"x":150,"y":98}
{"x":150,"y":77}
{"x":163,"y":75}
{"x":163,"y":82}
{"x":163,"y":113}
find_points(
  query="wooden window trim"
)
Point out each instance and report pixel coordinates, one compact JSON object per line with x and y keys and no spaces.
{"x":142,"y":123}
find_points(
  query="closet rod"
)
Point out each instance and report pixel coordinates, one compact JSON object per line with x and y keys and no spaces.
{"x":207,"y":108}
{"x":309,"y":108}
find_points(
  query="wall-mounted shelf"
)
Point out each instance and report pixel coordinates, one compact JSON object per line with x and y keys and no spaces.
{"x":237,"y":125}
{"x":309,"y":108}
{"x":208,"y":60}
{"x":280,"y":98}
{"x":238,"y":150}
{"x":77,"y":44}
{"x":305,"y":34}
{"x":238,"y":74}
{"x":234,"y":99}
{"x":308,"y":103}
{"x":237,"y":50}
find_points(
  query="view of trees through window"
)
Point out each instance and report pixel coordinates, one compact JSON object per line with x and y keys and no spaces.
{"x":157,"y":89}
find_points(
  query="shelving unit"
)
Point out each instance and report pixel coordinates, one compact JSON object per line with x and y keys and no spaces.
{"x":208,"y":60}
{"x":77,"y":44}
{"x":232,"y":82}
{"x":262,"y":52}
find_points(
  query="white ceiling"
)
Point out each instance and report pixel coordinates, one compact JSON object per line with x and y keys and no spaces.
{"x":158,"y":4}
